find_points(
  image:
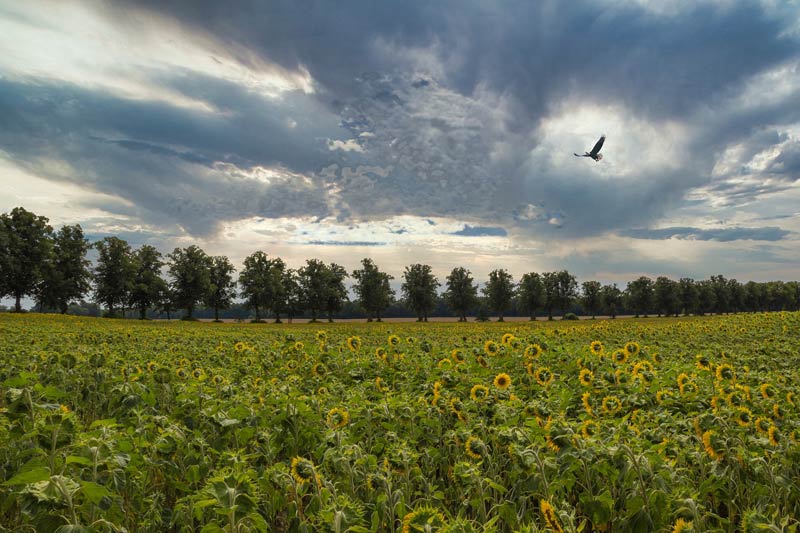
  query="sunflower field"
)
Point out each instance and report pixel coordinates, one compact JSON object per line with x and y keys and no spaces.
{"x":625,"y":425}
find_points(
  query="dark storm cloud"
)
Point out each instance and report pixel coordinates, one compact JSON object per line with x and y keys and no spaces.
{"x":718,"y":234}
{"x":430,"y":109}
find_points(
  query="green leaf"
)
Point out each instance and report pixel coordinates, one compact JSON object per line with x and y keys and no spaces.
{"x":94,"y":492}
{"x":34,"y":475}
{"x":77,"y":459}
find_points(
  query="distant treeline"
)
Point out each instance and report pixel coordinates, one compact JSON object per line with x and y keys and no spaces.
{"x":52,"y":268}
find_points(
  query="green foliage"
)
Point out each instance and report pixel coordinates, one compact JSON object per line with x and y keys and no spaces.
{"x":65,"y":273}
{"x":148,"y":286}
{"x":419,"y":290}
{"x":190,"y":269}
{"x":461,"y":293}
{"x":499,"y":291}
{"x":25,"y":246}
{"x":373,"y":289}
{"x":114,"y":273}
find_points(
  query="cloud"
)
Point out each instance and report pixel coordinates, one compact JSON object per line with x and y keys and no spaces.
{"x":480,"y":231}
{"x":717,"y":234}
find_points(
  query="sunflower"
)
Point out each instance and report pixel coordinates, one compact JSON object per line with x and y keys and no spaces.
{"x":767,"y":391}
{"x":457,"y":408}
{"x":322,"y":391}
{"x":790,"y":398}
{"x":532,"y":351}
{"x":475,"y":447}
{"x":380,"y":353}
{"x":199,"y":374}
{"x":338,"y":418}
{"x":218,"y":380}
{"x":507,"y":338}
{"x":682,"y":526}
{"x":586,"y":404}
{"x":744,"y":417}
{"x":181,"y":373}
{"x":502,"y":381}
{"x":725,"y":372}
{"x":303,"y":470}
{"x":688,"y":387}
{"x":425,"y":518}
{"x":683,"y":378}
{"x":152,"y":366}
{"x":381,"y":385}
{"x":298,"y":346}
{"x":479,"y":392}
{"x":763,"y":424}
{"x":549,"y":515}
{"x":663,"y":395}
{"x":322,"y":336}
{"x":354,"y":343}
{"x":708,"y":445}
{"x":774,"y":436}
{"x":586,"y":377}
{"x":444,"y":364}
{"x":543,"y":376}
{"x":319,"y":370}
{"x":596,"y":347}
{"x":589,"y":428}
{"x":631,"y":349}
{"x":239,"y":346}
{"x":491,"y":348}
{"x":611,"y":405}
{"x":657,"y":358}
{"x":481,"y":361}
{"x":393,"y":340}
{"x":620,"y":357}
{"x":457,"y":355}
{"x":777,"y":412}
{"x":702,"y":362}
{"x":622,"y":376}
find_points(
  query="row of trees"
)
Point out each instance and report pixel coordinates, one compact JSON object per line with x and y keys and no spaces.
{"x":52,"y":268}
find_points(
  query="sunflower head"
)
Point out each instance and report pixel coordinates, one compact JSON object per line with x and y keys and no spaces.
{"x":589,"y":428}
{"x":354,"y":343}
{"x":543,"y":376}
{"x":596,"y":347}
{"x":303,"y":470}
{"x":479,"y":393}
{"x":744,"y":417}
{"x":767,"y":391}
{"x":338,"y":418}
{"x":507,"y":338}
{"x":475,"y":448}
{"x":532,"y":351}
{"x":702,"y":362}
{"x":393,"y":340}
{"x":423,"y":519}
{"x":724,"y":372}
{"x":620,"y":357}
{"x":586,"y":377}
{"x":502,"y":381}
{"x":491,"y":348}
{"x":631,"y":349}
{"x":611,"y":405}
{"x":550,"y":517}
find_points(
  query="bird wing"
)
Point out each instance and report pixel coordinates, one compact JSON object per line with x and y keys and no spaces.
{"x":599,"y":145}
{"x":576,"y":155}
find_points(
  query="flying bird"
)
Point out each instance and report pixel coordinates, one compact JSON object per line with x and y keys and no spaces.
{"x":595,"y":153}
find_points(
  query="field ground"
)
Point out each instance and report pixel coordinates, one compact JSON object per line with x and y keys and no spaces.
{"x":607,"y":425}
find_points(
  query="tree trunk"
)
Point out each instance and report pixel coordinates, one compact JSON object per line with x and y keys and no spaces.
{"x":189,"y":312}
{"x":142,"y":312}
{"x":501,"y":318}
{"x":17,"y":303}
{"x":216,"y":314}
{"x":64,"y":308}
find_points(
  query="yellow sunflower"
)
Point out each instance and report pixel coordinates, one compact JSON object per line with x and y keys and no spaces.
{"x":502,"y":381}
{"x":596,"y":347}
{"x":303,"y":470}
{"x":532,"y":351}
{"x":354,"y":343}
{"x":474,"y":447}
{"x":491,"y":348}
{"x":549,"y":515}
{"x":479,"y":393}
{"x":724,"y":372}
{"x":586,"y":377}
{"x":631,"y":349}
{"x":338,"y":418}
{"x":611,"y":405}
{"x":543,"y":376}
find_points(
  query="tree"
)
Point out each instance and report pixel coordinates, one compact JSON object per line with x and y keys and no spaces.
{"x":24,"y":247}
{"x":707,"y":297}
{"x":591,"y":296}
{"x":419,"y":290}
{"x":223,"y":286}
{"x":166,"y":301}
{"x":689,"y":296}
{"x":550,"y":283}
{"x":736,"y":296}
{"x":65,"y":274}
{"x":566,"y":290}
{"x":531,"y":293}
{"x":721,"y":293}
{"x":461,"y":293}
{"x":191,"y":277}
{"x":373,"y":289}
{"x":261,"y":281}
{"x":755,"y":295}
{"x":666,"y":296}
{"x":611,"y":297}
{"x":114,"y":273}
{"x":336,"y":291}
{"x":640,"y":295}
{"x":499,"y":291}
{"x":148,"y":285}
{"x":314,"y":281}
{"x":292,"y":296}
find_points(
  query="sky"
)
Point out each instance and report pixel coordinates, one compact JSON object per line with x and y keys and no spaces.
{"x":415,"y":131}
